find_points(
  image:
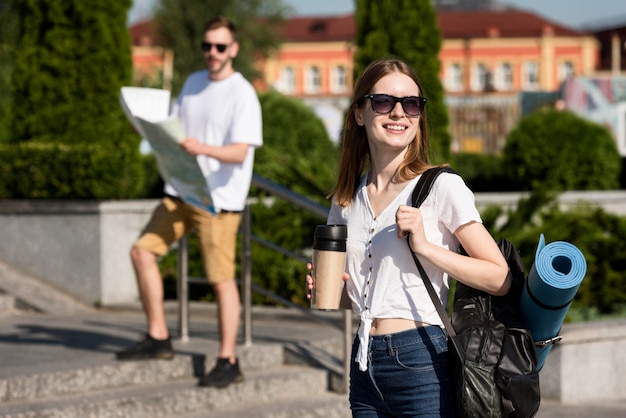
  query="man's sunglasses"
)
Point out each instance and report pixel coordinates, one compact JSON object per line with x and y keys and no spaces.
{"x":384,"y":103}
{"x":207,"y":46}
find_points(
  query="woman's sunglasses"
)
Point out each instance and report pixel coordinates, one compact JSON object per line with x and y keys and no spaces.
{"x":384,"y":103}
{"x":207,"y":46}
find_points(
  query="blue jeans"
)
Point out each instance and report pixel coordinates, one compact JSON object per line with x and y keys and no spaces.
{"x":406,"y":376}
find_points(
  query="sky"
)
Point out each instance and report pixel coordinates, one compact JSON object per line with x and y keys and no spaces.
{"x":578,"y":14}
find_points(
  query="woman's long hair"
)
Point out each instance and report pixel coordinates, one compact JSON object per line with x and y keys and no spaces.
{"x":355,"y":152}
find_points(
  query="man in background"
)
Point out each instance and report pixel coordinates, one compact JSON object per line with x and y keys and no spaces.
{"x":221,"y":115}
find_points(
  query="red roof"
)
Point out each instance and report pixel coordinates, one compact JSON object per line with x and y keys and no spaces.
{"x":461,"y":24}
{"x":144,"y":33}
{"x":500,"y":23}
{"x":509,"y":23}
{"x":320,"y":28}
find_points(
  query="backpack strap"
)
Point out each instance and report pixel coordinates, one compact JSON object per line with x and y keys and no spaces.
{"x":421,"y":191}
{"x":425,"y":183}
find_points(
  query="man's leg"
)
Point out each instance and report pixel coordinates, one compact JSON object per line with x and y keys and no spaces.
{"x":156,"y":343}
{"x":226,"y":370}
{"x":150,"y":286}
{"x":166,"y":226}
{"x":228,"y":305}
{"x":218,"y":237}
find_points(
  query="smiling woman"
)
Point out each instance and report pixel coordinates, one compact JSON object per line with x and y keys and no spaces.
{"x":399,"y":363}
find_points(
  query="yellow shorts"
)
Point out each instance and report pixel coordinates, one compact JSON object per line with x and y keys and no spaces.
{"x":217,"y":235}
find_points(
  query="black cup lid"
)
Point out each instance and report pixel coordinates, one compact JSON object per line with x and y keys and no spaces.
{"x":331,"y":232}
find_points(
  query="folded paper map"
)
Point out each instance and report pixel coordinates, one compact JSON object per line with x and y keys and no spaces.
{"x":148,"y":109}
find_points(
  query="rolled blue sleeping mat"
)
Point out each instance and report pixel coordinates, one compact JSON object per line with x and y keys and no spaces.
{"x":553,"y":280}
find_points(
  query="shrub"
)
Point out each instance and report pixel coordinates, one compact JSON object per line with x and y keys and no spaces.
{"x":71,"y":59}
{"x":482,"y":172}
{"x":67,"y":137}
{"x":36,"y":170}
{"x":596,"y":233}
{"x":561,"y":151}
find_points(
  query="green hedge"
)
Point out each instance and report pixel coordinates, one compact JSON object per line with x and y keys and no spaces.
{"x":33,"y":170}
{"x":482,"y":172}
{"x":562,"y":151}
{"x":595,"y":232}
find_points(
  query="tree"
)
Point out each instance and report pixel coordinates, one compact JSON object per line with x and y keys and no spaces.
{"x":71,"y":59}
{"x":297,"y":153}
{"x":407,"y":29}
{"x":181,"y":28}
{"x":68,"y":137}
{"x":8,"y":35}
{"x":561,"y":151}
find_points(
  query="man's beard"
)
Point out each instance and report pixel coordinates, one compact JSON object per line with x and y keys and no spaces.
{"x":216,"y":69}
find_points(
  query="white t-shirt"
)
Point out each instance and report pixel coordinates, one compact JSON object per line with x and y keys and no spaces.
{"x":220,"y":113}
{"x":384,"y":281}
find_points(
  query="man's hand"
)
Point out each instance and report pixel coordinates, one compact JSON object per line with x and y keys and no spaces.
{"x":193,"y":146}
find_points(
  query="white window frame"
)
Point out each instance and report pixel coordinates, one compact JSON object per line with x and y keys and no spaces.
{"x":566,"y":70}
{"x":287,"y":81}
{"x":530,"y":75}
{"x":479,"y":77}
{"x":503,"y":80}
{"x":339,"y":82}
{"x":454,"y":77}
{"x":312,"y":80}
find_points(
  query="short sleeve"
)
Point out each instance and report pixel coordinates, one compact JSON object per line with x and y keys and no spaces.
{"x":455,"y":202}
{"x":247,"y":127}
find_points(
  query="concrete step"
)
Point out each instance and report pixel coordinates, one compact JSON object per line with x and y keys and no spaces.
{"x":81,"y":379}
{"x":7,"y":303}
{"x":328,"y":405}
{"x":10,"y":305}
{"x":174,"y":398}
{"x":37,"y":294}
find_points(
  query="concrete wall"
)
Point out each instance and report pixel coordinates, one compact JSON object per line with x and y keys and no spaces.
{"x":80,"y":248}
{"x":588,"y":365}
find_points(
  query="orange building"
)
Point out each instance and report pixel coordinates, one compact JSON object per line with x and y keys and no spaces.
{"x":153,"y":65}
{"x":316,"y":58}
{"x":487,"y":59}
{"x":508,"y":51}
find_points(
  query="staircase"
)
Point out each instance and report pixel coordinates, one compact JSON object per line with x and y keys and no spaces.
{"x":79,"y":377}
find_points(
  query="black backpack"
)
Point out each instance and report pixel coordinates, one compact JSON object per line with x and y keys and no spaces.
{"x":493,"y":355}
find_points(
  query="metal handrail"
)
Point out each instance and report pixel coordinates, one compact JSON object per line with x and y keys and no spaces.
{"x":246,"y":273}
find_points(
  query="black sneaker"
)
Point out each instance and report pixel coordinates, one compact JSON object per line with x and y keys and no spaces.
{"x":148,"y":348}
{"x":223,"y":374}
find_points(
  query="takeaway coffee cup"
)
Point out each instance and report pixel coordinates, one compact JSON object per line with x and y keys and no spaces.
{"x":329,"y":259}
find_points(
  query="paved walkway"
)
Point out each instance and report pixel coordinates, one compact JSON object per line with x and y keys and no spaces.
{"x":32,"y":342}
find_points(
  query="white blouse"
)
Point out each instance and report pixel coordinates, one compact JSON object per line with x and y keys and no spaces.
{"x":384,"y":281}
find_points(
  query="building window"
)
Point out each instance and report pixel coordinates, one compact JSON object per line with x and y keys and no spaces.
{"x":338,"y":80}
{"x":454,"y":77}
{"x":312,"y":82}
{"x":530,"y":80}
{"x":479,"y":77}
{"x":504,"y":77}
{"x":566,"y":70}
{"x":287,"y":81}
